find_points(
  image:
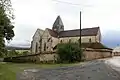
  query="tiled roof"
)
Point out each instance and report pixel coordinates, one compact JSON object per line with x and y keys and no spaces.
{"x":75,"y":33}
{"x":52,"y":33}
{"x":95,"y":46}
{"x":58,"y":21}
{"x":84,"y":32}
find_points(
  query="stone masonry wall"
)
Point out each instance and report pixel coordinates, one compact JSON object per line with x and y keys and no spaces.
{"x":90,"y":54}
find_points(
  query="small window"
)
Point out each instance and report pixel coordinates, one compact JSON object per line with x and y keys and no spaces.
{"x":90,"y":40}
{"x":44,"y":46}
{"x":36,"y":47}
{"x":60,"y":41}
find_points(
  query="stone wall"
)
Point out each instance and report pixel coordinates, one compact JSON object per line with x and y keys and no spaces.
{"x":90,"y":54}
{"x":116,"y":53}
{"x":84,"y":39}
{"x":35,"y":44}
{"x":44,"y":57}
{"x":98,"y":37}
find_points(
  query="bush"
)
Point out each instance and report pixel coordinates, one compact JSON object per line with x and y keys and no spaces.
{"x":69,"y":52}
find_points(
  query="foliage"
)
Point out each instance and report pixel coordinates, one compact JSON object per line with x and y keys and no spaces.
{"x":69,"y":52}
{"x":6,"y":26}
{"x":7,"y":7}
{"x":25,"y":53}
{"x":15,"y":56}
{"x":12,"y":53}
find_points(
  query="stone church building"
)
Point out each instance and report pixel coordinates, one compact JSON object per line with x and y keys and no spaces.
{"x":46,"y":40}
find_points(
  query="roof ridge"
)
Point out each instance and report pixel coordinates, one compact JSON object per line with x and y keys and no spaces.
{"x":81,"y":29}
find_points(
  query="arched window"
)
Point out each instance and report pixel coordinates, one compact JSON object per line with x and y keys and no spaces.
{"x":36,"y":49}
{"x":44,"y":46}
{"x":60,"y":41}
{"x":90,"y":40}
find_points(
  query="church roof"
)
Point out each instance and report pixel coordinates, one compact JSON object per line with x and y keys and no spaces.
{"x":39,"y":31}
{"x":75,"y":33}
{"x":52,"y":33}
{"x":58,"y":21}
{"x":95,"y":45}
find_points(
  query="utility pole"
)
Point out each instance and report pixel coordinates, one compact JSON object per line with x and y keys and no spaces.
{"x":80,"y":31}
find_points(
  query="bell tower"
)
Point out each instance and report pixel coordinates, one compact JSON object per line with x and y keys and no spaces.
{"x":58,"y":25}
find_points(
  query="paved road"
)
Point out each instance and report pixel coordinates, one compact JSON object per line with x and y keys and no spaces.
{"x":95,"y":70}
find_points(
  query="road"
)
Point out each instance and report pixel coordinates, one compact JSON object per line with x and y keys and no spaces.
{"x":94,"y":70}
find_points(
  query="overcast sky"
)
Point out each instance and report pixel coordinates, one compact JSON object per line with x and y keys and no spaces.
{"x":33,"y":14}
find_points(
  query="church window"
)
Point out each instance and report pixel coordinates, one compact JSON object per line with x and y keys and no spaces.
{"x":90,"y":40}
{"x":61,"y":27}
{"x":36,"y":49}
{"x":44,"y":46}
{"x":60,"y":41}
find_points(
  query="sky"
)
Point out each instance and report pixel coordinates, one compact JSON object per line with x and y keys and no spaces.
{"x":30,"y":15}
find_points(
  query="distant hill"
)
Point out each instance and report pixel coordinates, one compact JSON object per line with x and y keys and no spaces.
{"x":17,"y":48}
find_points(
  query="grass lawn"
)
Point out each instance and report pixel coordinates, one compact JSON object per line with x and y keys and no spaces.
{"x":8,"y":70}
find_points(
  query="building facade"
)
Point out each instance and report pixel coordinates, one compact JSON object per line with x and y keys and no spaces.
{"x":46,"y":40}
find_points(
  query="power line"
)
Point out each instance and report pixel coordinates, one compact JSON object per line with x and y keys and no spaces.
{"x":71,"y":3}
{"x":80,"y":14}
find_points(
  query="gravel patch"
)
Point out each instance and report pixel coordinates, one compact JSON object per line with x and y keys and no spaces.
{"x":94,"y":70}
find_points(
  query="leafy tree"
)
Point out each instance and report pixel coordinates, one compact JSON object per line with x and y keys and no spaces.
{"x":69,"y":52}
{"x":6,"y":25}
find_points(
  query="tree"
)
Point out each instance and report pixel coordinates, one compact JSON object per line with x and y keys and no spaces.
{"x":69,"y":52}
{"x":6,"y":25}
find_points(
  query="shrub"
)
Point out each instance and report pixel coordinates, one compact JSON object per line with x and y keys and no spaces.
{"x":69,"y":52}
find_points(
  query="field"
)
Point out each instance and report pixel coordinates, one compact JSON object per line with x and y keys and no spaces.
{"x":8,"y":71}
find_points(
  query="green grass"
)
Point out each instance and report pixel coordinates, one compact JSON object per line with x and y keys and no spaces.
{"x":8,"y":71}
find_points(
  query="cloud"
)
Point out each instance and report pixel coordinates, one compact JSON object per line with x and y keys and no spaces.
{"x":31,"y":15}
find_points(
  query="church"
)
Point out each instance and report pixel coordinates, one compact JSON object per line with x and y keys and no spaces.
{"x":46,"y":40}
